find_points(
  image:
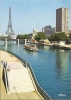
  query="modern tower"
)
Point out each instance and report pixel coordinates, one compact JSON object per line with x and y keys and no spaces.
{"x":10,"y":29}
{"x":62,"y":20}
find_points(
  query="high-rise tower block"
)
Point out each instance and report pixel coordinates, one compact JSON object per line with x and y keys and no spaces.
{"x":62,"y":15}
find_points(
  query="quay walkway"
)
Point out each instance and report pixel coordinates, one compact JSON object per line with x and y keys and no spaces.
{"x":27,"y":92}
{"x":19,"y":81}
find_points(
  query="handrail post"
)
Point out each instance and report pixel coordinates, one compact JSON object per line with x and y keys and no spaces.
{"x":8,"y":92}
{"x":26,"y":64}
{"x":5,"y":77}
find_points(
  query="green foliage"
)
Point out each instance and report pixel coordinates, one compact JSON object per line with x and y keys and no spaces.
{"x":70,"y":36}
{"x":9,"y":37}
{"x":4,"y":37}
{"x":23,"y":36}
{"x":67,"y":40}
{"x":40,"y":36}
{"x":58,"y":37}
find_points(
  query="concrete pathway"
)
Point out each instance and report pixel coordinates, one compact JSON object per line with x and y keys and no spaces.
{"x":32,"y":95}
{"x":19,"y":78}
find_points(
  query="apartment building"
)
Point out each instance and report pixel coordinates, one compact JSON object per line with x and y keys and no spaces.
{"x":48,"y":30}
{"x":62,"y":15}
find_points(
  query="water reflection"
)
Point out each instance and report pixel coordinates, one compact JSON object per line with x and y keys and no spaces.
{"x":30,"y":52}
{"x":11,"y":42}
{"x":52,"y":68}
{"x":18,"y":47}
{"x":6,"y":46}
{"x":62,"y":63}
{"x":43,"y":47}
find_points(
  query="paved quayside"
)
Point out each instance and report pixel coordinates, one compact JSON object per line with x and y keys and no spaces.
{"x":21,"y":86}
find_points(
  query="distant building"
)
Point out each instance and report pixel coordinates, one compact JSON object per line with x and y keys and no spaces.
{"x":13,"y":36}
{"x":32,"y":35}
{"x":44,"y":41}
{"x":55,"y":29}
{"x":48,"y":30}
{"x":35,"y":30}
{"x":62,"y":20}
{"x":43,"y":29}
{"x":69,"y":31}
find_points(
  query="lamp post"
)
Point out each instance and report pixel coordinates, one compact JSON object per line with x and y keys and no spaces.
{"x":5,"y":51}
{"x":0,"y":54}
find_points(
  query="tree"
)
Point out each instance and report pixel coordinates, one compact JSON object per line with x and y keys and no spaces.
{"x":39,"y":36}
{"x":23,"y":36}
{"x":58,"y":37}
{"x":70,"y":36}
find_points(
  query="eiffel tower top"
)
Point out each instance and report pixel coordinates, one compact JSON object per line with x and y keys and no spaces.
{"x":10,"y":29}
{"x":10,"y":7}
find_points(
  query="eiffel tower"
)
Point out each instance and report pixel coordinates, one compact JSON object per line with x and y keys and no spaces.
{"x":10,"y":29}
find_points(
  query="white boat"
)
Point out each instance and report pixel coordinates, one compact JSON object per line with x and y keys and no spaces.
{"x":31,"y":47}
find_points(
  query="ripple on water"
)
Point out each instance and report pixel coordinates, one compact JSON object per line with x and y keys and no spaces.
{"x":51,"y":67}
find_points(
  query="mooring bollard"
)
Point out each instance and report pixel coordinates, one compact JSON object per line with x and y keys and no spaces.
{"x":18,"y":40}
{"x":5,"y":41}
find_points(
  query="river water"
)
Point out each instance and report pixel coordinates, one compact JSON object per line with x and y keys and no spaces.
{"x":51,"y":67}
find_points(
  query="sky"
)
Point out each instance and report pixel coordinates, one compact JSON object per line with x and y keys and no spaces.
{"x":27,"y":15}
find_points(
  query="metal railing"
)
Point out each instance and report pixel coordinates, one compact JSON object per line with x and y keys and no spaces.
{"x":39,"y":89}
{"x":5,"y":77}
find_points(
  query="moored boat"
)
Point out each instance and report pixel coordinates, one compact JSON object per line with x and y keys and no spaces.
{"x":31,"y":47}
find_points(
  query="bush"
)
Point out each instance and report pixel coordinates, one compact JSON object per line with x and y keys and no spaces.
{"x":58,"y":37}
{"x":40,"y":35}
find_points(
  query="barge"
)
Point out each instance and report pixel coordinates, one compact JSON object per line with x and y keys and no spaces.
{"x":31,"y":47}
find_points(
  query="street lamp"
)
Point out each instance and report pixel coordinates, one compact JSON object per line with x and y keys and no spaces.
{"x":0,"y":54}
{"x":5,"y":51}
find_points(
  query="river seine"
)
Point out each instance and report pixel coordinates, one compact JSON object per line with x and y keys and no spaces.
{"x":51,"y":67}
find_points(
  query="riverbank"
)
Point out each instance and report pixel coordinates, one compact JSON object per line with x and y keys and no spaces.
{"x":55,"y":45}
{"x":7,"y":57}
{"x":64,"y":47}
{"x":51,"y":67}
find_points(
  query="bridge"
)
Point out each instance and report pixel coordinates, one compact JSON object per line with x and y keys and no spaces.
{"x":17,"y":40}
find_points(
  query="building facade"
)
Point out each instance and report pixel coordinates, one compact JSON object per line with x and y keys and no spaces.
{"x":69,"y":31}
{"x":62,"y":20}
{"x":48,"y":30}
{"x":32,"y":35}
{"x":35,"y":31}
